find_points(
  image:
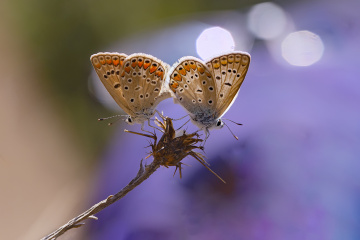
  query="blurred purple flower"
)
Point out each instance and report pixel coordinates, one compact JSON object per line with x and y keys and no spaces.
{"x":292,"y":175}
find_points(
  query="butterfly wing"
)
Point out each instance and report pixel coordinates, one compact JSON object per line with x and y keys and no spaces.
{"x":143,"y":83}
{"x":229,"y":72}
{"x":108,"y":68}
{"x":194,"y":88}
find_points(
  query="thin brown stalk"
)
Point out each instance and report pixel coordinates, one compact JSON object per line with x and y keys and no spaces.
{"x":142,"y":175}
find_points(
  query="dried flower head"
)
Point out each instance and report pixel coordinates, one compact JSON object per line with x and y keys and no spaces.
{"x":171,"y":149}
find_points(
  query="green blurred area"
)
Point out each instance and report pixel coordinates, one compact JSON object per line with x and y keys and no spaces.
{"x":61,"y":36}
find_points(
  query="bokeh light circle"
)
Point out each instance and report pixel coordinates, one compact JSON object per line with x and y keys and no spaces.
{"x":267,"y":20}
{"x":213,"y":41}
{"x":302,"y":48}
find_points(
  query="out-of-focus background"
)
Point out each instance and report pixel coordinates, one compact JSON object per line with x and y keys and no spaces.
{"x":293,"y":174}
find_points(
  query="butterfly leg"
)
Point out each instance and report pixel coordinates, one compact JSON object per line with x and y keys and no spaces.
{"x":142,"y":128}
{"x":207,"y":135}
{"x":181,"y":117}
{"x":183,"y":125}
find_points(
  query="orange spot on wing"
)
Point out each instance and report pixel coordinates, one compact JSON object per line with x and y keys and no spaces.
{"x":97,"y":65}
{"x":127,"y":69}
{"x":223,"y":61}
{"x":152,"y":69}
{"x":116,"y":62}
{"x":108,"y":61}
{"x":123,"y":74}
{"x":102,"y":61}
{"x":159,"y":73}
{"x":208,"y":74}
{"x":187,"y":67}
{"x":216,"y":65}
{"x":201,"y":70}
{"x":140,"y":64}
{"x":146,"y":65}
{"x":193,"y":66}
{"x":133,"y":64}
{"x":121,"y":62}
{"x":174,"y":86}
{"x":182,"y":71}
{"x":177,"y":78}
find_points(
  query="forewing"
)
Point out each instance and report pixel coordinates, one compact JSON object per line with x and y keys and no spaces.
{"x":108,"y":68}
{"x":229,"y":72}
{"x":193,"y":86}
{"x":142,"y":82}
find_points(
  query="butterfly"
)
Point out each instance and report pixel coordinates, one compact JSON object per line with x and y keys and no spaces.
{"x":207,"y":90}
{"x":136,"y":82}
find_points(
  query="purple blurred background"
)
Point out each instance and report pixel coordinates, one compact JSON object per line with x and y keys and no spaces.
{"x":293,"y":174}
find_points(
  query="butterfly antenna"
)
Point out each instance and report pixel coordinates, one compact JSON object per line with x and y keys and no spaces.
{"x":231,"y":131}
{"x":111,"y":123}
{"x":232,"y":121}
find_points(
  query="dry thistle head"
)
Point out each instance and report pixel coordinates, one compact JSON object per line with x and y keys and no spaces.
{"x":171,"y":150}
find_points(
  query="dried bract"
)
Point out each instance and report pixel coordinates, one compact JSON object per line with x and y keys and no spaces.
{"x":170,"y":150}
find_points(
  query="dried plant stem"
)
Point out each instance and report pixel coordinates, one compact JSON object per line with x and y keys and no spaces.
{"x":76,"y":222}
